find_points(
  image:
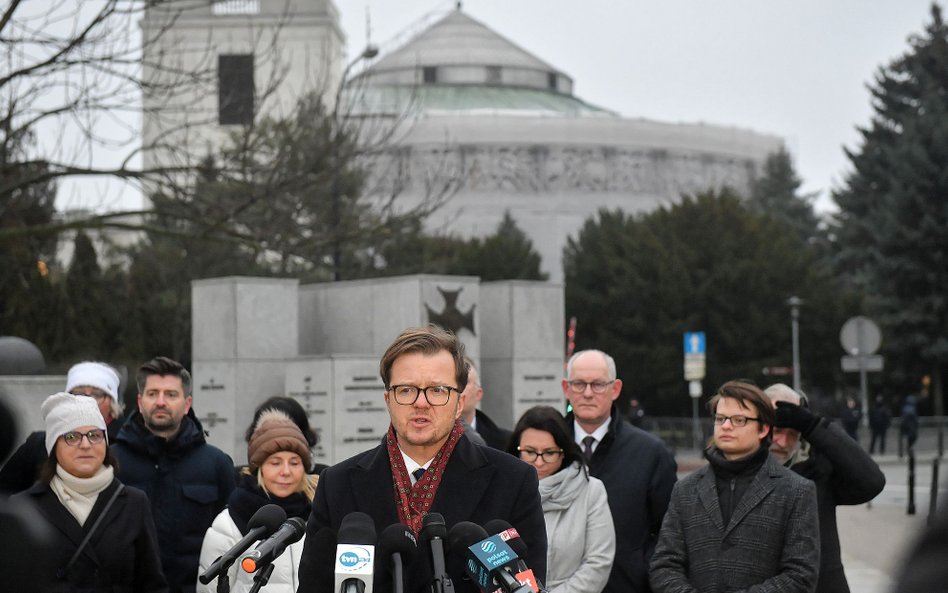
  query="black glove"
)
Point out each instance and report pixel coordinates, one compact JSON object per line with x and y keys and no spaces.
{"x":796,"y":417}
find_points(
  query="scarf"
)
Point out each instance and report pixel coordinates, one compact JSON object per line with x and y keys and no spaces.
{"x":78,"y":495}
{"x":247,"y":498}
{"x":414,"y":502}
{"x":558,"y":491}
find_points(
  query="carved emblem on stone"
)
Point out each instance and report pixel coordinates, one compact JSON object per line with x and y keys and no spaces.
{"x":451,"y":318}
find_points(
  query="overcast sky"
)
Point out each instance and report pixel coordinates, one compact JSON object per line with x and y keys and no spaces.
{"x":794,"y":68}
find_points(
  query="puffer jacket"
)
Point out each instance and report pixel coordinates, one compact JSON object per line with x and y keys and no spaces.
{"x":188,"y":482}
{"x":579,"y":529}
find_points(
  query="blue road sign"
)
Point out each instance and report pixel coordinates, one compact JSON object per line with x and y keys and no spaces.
{"x":694,"y":343}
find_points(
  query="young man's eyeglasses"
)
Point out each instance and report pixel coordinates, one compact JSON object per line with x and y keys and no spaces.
{"x":596,"y":386}
{"x":437,"y":395}
{"x":549,"y":456}
{"x":736,"y":421}
{"x":73,"y":438}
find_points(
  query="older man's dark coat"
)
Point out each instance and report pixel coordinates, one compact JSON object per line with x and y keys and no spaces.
{"x":638,"y":472}
{"x":479,"y":484}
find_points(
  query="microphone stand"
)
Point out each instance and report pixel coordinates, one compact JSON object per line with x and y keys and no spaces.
{"x":223,"y":581}
{"x":261,"y":578}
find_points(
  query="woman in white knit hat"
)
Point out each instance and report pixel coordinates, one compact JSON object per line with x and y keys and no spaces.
{"x":105,"y":537}
{"x":278,"y":458}
{"x":91,"y":379}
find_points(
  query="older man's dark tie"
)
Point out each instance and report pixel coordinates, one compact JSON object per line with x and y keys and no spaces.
{"x":588,"y":448}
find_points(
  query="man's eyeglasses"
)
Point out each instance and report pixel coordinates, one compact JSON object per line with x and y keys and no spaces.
{"x":549,"y":456}
{"x":437,"y":395}
{"x":736,"y":421}
{"x":73,"y":438}
{"x":596,"y":386}
{"x":93,"y":393}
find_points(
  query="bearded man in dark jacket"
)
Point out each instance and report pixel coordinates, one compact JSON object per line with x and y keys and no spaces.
{"x":161,"y":449}
{"x":844,"y":474}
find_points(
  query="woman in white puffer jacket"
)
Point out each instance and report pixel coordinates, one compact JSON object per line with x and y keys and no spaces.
{"x":278,"y":456}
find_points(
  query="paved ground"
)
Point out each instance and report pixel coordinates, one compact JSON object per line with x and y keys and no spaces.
{"x":875,"y":536}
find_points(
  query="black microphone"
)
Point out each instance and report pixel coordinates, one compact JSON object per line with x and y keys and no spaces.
{"x":355,"y":554}
{"x":488,"y":558}
{"x":289,"y":533}
{"x":263,"y":524}
{"x":509,"y":534}
{"x":433,"y":530}
{"x":397,"y":543}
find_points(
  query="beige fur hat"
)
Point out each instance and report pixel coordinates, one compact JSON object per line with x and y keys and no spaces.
{"x":275,"y":432}
{"x":64,"y":412}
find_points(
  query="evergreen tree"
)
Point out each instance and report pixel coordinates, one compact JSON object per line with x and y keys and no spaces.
{"x":507,"y":254}
{"x":777,"y":193}
{"x":893,"y":210}
{"x":637,"y":283}
{"x":90,"y":315}
{"x":29,"y":296}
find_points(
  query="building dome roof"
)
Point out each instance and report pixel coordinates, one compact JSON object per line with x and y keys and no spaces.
{"x":460,"y":64}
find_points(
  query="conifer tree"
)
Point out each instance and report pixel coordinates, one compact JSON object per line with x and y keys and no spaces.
{"x":893,"y":209}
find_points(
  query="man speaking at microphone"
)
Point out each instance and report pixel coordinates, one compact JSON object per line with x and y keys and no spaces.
{"x":424,"y":465}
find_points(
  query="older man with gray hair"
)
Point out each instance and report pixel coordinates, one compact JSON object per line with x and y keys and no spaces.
{"x":635,"y":466}
{"x":819,"y":450}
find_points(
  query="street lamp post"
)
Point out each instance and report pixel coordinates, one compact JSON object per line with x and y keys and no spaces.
{"x":368,"y":53}
{"x":794,"y":302}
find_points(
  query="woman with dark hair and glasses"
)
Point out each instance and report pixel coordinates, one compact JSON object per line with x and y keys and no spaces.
{"x":104,"y":533}
{"x":579,"y":527}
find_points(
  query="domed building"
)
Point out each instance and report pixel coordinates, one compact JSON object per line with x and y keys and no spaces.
{"x":475,"y":108}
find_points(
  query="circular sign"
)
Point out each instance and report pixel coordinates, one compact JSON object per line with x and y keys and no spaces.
{"x":860,"y":335}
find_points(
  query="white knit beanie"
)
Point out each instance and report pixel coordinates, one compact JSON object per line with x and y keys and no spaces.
{"x":93,"y":374}
{"x":64,"y":412}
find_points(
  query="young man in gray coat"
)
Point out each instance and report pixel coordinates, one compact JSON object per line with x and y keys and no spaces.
{"x":743,"y":520}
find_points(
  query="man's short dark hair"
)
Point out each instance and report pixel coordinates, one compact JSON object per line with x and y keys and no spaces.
{"x":428,"y":340}
{"x":163,"y":367}
{"x":750,"y":395}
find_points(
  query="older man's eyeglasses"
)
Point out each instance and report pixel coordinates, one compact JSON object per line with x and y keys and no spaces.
{"x":596,"y":386}
{"x":73,"y":438}
{"x":737,"y":421}
{"x":548,"y":456}
{"x":437,"y":395}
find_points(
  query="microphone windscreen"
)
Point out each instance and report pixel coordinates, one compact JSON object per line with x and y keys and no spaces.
{"x":432,"y":526}
{"x":357,"y":528}
{"x":399,"y":539}
{"x":269,"y":516}
{"x":516,"y":543}
{"x":464,"y":535}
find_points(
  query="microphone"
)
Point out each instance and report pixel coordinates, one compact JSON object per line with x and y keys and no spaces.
{"x":433,"y":530}
{"x":263,"y":524}
{"x":398,"y":543}
{"x":290,"y":532}
{"x":355,"y":554}
{"x":488,"y":559}
{"x":509,"y":534}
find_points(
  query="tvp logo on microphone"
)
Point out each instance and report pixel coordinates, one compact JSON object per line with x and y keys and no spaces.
{"x":353,"y":559}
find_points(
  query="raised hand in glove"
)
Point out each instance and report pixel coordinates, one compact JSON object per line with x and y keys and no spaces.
{"x":796,"y":417}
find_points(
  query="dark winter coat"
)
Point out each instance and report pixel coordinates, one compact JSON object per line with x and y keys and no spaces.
{"x":22,"y":468}
{"x":478,"y":484}
{"x":844,"y":474}
{"x":639,"y":473}
{"x":121,"y":557}
{"x":771,"y":543}
{"x":494,"y":435}
{"x":187,"y":481}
